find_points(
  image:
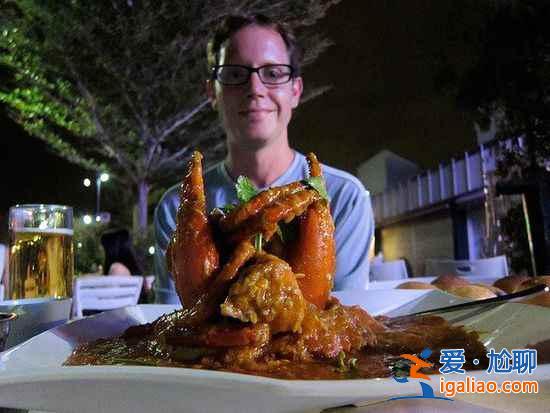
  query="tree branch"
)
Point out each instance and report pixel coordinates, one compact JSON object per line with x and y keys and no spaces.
{"x":179,"y":120}
{"x":101,"y":133}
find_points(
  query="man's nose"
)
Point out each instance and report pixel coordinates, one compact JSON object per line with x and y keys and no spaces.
{"x":255,"y":85}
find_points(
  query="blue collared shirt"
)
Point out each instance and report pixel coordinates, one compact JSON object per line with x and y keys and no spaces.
{"x":349,"y":204}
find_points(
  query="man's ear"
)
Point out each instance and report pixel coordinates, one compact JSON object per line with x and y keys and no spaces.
{"x":297,"y":89}
{"x":211,"y":93}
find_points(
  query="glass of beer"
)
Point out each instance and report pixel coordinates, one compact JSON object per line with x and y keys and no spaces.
{"x":40,"y":252}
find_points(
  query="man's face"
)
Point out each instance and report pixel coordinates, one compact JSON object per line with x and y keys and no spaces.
{"x":254,"y":114}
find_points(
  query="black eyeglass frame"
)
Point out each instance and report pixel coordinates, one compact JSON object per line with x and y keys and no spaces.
{"x":251,"y":70}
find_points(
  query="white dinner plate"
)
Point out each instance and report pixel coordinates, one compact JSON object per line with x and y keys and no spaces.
{"x":32,"y":377}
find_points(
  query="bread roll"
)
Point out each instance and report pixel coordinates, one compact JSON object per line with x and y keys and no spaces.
{"x":542,"y":299}
{"x":494,"y":289}
{"x":511,"y":282}
{"x":416,"y":285}
{"x":532,"y":281}
{"x":449,"y":281}
{"x":472,"y":291}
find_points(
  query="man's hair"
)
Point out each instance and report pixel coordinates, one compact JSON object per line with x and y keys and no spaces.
{"x":233,"y":23}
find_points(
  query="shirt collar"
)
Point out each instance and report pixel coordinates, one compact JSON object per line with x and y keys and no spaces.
{"x":291,"y":171}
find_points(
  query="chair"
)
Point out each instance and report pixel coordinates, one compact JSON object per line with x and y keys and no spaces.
{"x":100,"y":292}
{"x":484,"y":267}
{"x":3,"y":255}
{"x":388,"y":270}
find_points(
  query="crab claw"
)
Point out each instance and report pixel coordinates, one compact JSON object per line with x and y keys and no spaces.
{"x":192,"y":256}
{"x":313,"y":252}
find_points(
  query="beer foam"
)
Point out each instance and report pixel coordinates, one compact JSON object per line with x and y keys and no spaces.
{"x":60,"y":231}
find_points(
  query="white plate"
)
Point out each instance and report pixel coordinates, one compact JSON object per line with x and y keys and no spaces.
{"x":31,"y":375}
{"x":389,"y":284}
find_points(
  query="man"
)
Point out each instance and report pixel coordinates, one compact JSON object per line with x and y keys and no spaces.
{"x":255,"y":83}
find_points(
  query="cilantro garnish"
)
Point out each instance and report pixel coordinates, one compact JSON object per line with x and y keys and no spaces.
{"x":246,"y":190}
{"x":258,"y":242}
{"x":346,"y":365}
{"x":318,"y":183}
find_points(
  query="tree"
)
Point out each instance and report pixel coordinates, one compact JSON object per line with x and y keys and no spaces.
{"x":119,"y":84}
{"x":509,"y":81}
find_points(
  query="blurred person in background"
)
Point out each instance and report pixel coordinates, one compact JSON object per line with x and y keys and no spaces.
{"x":120,"y":257}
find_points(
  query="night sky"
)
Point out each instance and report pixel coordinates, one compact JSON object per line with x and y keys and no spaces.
{"x":383,"y":97}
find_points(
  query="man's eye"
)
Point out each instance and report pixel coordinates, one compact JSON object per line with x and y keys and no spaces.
{"x":232,"y":75}
{"x":275,"y":73}
{"x":236,"y":74}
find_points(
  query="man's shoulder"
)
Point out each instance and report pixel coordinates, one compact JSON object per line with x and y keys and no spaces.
{"x":213,"y":170}
{"x":340,"y":177}
{"x":170,"y":195}
{"x":216,"y":178}
{"x":342,"y":187}
{"x":341,"y":184}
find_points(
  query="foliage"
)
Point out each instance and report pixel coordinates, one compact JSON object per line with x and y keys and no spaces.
{"x":119,"y":85}
{"x":515,"y":242}
{"x":89,"y":254}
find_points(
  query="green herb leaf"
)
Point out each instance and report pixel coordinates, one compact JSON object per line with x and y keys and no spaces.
{"x":342,"y":361}
{"x":346,"y":365}
{"x":246,"y":190}
{"x":258,"y":242}
{"x":318,"y":183}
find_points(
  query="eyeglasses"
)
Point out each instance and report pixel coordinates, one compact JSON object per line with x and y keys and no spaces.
{"x":234,"y":75}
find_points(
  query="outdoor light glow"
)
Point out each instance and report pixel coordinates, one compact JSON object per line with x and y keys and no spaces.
{"x":87,"y":219}
{"x":151,"y":250}
{"x":104,"y":177}
{"x":97,"y":218}
{"x":79,"y":245}
{"x":87,"y":182}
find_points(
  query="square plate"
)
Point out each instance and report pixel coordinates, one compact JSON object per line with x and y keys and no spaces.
{"x":31,"y":375}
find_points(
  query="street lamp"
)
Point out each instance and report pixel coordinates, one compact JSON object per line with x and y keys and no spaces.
{"x":103,"y":177}
{"x":100,"y":177}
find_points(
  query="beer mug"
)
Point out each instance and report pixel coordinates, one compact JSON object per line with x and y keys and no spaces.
{"x":40,"y":252}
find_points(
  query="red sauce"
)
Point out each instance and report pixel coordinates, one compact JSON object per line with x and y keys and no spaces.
{"x":141,"y":346}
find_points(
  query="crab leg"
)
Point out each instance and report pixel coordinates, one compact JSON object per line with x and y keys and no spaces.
{"x":284,"y":208}
{"x":206,"y":306}
{"x":235,"y":218}
{"x":313,"y":252}
{"x":192,"y":255}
